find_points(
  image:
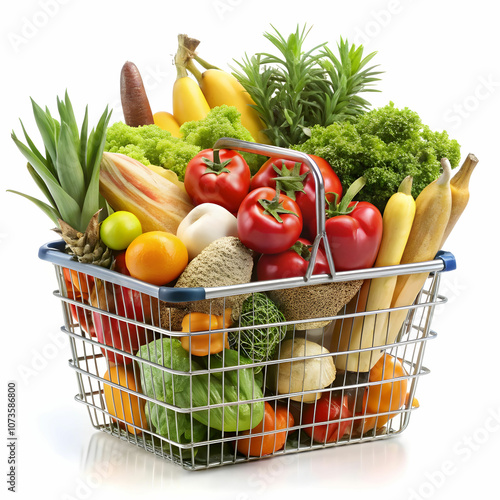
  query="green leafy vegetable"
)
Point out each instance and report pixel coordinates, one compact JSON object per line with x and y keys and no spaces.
{"x":384,"y":146}
{"x":221,"y":121}
{"x":259,"y":344}
{"x":230,"y":388}
{"x":168,"y":388}
{"x":151,"y":145}
{"x":298,"y":89}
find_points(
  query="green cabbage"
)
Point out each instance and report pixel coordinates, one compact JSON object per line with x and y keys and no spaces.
{"x":230,"y":388}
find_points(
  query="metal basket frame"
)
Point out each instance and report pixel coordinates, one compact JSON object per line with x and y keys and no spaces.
{"x":90,"y":359}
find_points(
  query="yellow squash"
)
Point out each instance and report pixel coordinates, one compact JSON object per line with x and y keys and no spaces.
{"x":431,"y":219}
{"x":370,"y":330}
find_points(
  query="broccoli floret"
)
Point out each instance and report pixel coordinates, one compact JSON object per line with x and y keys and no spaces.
{"x":221,"y":121}
{"x":384,"y":145}
{"x":151,"y":145}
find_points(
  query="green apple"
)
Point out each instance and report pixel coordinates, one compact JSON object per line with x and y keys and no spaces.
{"x":120,"y":229}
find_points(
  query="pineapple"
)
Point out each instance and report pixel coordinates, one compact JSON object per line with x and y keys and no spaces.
{"x":68,"y":176}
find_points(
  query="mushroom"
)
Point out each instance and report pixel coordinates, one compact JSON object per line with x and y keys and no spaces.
{"x":312,"y":372}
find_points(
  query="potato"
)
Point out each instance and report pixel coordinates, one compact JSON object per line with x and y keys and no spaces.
{"x":302,"y":375}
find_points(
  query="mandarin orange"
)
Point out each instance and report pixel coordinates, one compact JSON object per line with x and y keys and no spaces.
{"x":156,"y":257}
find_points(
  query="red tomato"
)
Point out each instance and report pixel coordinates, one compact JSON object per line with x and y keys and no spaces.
{"x":221,"y":177}
{"x":355,"y":238}
{"x":295,"y":180}
{"x":290,"y":263}
{"x":329,"y":408}
{"x":268,"y":222}
{"x":259,"y":446}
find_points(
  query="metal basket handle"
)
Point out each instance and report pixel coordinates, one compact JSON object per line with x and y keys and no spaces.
{"x":289,"y":154}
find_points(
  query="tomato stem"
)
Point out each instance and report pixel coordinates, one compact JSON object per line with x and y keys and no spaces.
{"x":274,"y":207}
{"x":289,"y":180}
{"x":302,"y":249}
{"x":215,"y":166}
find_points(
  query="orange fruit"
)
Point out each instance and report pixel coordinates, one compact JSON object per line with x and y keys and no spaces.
{"x":79,"y":283}
{"x":156,"y":257}
{"x":121,"y":404}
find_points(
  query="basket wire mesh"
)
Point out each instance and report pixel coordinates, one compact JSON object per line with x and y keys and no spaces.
{"x":117,"y":405}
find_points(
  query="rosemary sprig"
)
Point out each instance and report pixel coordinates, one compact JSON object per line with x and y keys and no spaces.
{"x":298,"y":89}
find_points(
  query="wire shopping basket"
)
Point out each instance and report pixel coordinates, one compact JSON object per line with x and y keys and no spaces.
{"x":206,"y":377}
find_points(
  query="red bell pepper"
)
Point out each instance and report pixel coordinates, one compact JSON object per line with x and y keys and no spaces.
{"x":353,"y":230}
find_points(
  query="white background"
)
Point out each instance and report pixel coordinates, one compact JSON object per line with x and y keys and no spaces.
{"x":440,"y":59}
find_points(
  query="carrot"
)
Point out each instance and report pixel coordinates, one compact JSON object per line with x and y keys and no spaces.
{"x":135,"y":104}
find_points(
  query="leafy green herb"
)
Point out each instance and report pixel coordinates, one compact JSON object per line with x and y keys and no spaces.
{"x":384,"y":146}
{"x":298,"y":89}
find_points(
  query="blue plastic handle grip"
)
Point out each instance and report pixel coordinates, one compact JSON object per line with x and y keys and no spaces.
{"x":450,"y":264}
{"x":54,"y":252}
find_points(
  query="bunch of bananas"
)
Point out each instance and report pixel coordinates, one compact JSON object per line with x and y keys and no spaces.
{"x":194,"y":97}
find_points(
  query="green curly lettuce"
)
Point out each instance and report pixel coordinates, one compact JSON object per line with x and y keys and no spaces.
{"x":383,"y":145}
{"x":221,"y":121}
{"x":151,"y":145}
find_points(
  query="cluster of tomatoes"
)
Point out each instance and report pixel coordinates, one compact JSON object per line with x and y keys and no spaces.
{"x":276,"y":212}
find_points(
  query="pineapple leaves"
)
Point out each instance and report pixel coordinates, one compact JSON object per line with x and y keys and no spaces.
{"x":296,"y":89}
{"x":67,"y":206}
{"x":51,"y":212}
{"x":47,"y":128}
{"x":97,"y":140}
{"x":68,"y":174}
{"x":83,"y":143}
{"x":69,"y":170}
{"x":43,"y":188}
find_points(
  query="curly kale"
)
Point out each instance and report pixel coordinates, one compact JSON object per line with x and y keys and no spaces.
{"x":221,"y":121}
{"x":384,"y":145}
{"x":151,"y":145}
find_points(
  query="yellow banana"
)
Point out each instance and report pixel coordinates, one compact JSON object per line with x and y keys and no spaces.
{"x":220,"y":87}
{"x":368,"y":331}
{"x":188,"y":101}
{"x":167,"y":121}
